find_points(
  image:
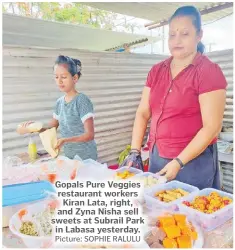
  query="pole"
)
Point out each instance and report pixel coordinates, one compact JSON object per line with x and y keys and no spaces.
{"x":163,"y":39}
{"x":151,"y":42}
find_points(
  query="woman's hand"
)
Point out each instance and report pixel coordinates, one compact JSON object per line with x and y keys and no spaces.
{"x":60,"y":143}
{"x":170,"y":170}
{"x":133,"y":160}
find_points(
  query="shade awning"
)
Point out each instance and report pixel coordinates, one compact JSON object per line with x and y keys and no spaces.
{"x":18,"y":30}
{"x":160,"y":12}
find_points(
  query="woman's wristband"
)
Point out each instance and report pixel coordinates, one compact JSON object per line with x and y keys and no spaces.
{"x":180,"y":162}
{"x":135,"y":150}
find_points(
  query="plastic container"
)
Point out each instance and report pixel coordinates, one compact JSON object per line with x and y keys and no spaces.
{"x":31,"y":241}
{"x":153,"y":215}
{"x":92,"y":163}
{"x":160,"y":179}
{"x":152,"y":202}
{"x":17,"y":196}
{"x":226,"y":136}
{"x":208,"y":221}
{"x":140,"y":176}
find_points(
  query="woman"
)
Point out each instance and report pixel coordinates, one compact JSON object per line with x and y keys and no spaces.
{"x":185,"y":98}
{"x":73,"y":112}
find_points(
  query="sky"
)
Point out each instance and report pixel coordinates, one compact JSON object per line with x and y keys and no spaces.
{"x":219,"y":35}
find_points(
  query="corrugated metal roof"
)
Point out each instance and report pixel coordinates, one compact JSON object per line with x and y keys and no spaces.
{"x":227,"y":177}
{"x":158,"y":11}
{"x":113,"y":81}
{"x":18,"y":30}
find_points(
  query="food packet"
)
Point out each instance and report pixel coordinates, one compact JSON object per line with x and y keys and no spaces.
{"x":49,"y":141}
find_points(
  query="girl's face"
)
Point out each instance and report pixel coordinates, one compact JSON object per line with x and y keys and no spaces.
{"x":65,"y":81}
{"x":183,"y":37}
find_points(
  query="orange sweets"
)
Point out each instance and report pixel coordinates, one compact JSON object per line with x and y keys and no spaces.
{"x":186,"y":230}
{"x":172,"y":231}
{"x":180,"y":218}
{"x":169,"y":243}
{"x":73,"y":174}
{"x":22,"y":213}
{"x":179,"y":232}
{"x":124,"y":175}
{"x":194,"y":235}
{"x":51,"y":177}
{"x":209,"y":204}
{"x":184,"y":241}
{"x":167,"y":220}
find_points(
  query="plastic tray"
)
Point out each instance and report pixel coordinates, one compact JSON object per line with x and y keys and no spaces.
{"x":17,"y":196}
{"x":28,"y":240}
{"x":208,"y":221}
{"x":152,"y":202}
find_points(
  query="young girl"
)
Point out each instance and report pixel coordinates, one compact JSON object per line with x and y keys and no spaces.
{"x":73,"y":112}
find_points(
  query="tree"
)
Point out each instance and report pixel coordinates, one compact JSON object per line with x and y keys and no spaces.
{"x":75,"y":13}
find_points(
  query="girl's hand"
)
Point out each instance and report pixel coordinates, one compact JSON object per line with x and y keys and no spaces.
{"x":60,"y":143}
{"x":170,"y":170}
{"x":23,"y":128}
{"x":26,"y":124}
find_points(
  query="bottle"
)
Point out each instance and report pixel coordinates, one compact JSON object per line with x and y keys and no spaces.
{"x":32,"y":150}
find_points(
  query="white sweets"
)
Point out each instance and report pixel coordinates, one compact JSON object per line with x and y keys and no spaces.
{"x":150,"y":180}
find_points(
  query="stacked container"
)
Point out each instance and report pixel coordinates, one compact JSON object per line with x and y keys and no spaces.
{"x":208,"y":221}
{"x":152,"y":202}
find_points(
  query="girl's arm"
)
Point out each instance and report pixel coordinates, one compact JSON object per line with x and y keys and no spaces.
{"x":23,"y":128}
{"x":88,"y":133}
{"x":87,"y":136}
{"x":142,"y":117}
{"x":52,"y":124}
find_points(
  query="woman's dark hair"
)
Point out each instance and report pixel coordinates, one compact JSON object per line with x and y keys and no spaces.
{"x":74,"y":65}
{"x":195,"y":15}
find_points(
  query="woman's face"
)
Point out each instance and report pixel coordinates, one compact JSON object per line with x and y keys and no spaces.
{"x":183,"y":37}
{"x":65,"y":81}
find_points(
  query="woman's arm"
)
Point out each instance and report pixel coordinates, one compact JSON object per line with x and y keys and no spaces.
{"x":142,"y":117}
{"x":212,"y":106}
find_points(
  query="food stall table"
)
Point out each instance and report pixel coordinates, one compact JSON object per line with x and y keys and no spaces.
{"x":222,"y":237}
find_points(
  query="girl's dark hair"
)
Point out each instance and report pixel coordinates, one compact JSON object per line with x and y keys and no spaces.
{"x":74,"y":65}
{"x":195,"y":15}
